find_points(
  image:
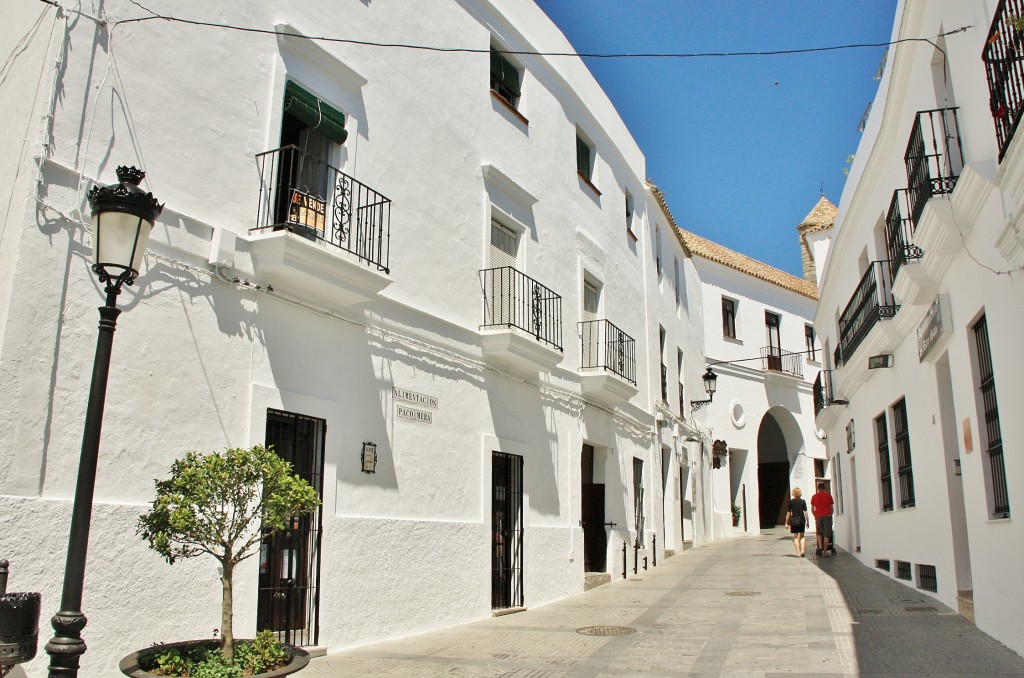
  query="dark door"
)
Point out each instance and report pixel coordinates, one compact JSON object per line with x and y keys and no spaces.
{"x":595,"y":538}
{"x":289,"y":583}
{"x":507,"y":530}
{"x":773,"y":492}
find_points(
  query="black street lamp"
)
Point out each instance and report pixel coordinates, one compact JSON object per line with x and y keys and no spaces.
{"x":122,"y":218}
{"x":710,"y":385}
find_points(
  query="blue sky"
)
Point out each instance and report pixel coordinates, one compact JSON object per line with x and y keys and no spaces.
{"x":740,"y":146}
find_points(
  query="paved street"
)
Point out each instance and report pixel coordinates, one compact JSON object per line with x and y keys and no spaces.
{"x":736,"y":607}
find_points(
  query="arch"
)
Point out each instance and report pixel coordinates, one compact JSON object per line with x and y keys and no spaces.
{"x":779,"y":444}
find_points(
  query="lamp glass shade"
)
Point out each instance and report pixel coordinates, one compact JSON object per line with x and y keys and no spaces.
{"x":120,"y":239}
{"x":710,"y":381}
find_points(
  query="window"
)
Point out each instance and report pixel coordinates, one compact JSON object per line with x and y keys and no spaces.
{"x":675,"y":276}
{"x":904,"y":467}
{"x":679,"y":361}
{"x":629,"y":213}
{"x":903,"y":570}
{"x":991,"y":432}
{"x":664,"y":368}
{"x":505,"y":78}
{"x":812,"y":352}
{"x":884,"y":470}
{"x":584,"y":159}
{"x":883,"y":564}
{"x":837,"y":483}
{"x":851,"y":437}
{"x":638,"y":498}
{"x":728,"y":318}
{"x":657,"y":250}
{"x":504,"y":246}
{"x":927,"y":580}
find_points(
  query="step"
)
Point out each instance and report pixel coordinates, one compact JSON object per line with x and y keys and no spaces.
{"x":591,"y":580}
{"x":965,"y":605}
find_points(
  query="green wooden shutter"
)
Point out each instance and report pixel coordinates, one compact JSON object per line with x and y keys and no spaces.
{"x":582,"y":157}
{"x":504,"y":73}
{"x":318,"y":115}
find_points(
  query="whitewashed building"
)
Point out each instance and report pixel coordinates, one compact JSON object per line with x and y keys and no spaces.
{"x":759,"y":340}
{"x":920,"y":317}
{"x":452,"y":256}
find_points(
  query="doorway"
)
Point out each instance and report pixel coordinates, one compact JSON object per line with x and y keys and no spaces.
{"x":507,"y":530}
{"x":595,"y":538}
{"x":775,"y":449}
{"x":289,"y":581}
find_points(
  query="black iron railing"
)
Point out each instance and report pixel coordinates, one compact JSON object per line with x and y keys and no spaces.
{"x":899,"y":232}
{"x":824,"y":395}
{"x":871,"y":301}
{"x":515,"y":300}
{"x":305,"y":195}
{"x":934,"y":157}
{"x":774,"y":359}
{"x":1004,"y":68}
{"x":604,"y":346}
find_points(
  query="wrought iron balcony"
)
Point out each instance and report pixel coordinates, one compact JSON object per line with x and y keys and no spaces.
{"x":603,"y":346}
{"x":899,"y":232}
{"x":1004,"y":67}
{"x":774,"y":359}
{"x":515,"y":300}
{"x":823,"y":393}
{"x":307,"y":196}
{"x":934,"y":157}
{"x":871,"y":301}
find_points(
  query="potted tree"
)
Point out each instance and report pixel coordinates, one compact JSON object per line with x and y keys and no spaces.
{"x":222,"y":504}
{"x":735,"y":515}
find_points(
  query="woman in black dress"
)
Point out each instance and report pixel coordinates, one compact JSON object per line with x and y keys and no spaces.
{"x":797,"y":521}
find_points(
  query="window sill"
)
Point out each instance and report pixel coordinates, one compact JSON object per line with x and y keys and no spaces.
{"x":509,"y":107}
{"x":998,"y":521}
{"x":586,"y":182}
{"x":733,"y":340}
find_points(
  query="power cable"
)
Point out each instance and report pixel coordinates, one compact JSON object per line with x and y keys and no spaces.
{"x":471,"y":50}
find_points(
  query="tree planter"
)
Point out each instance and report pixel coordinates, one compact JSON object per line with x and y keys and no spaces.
{"x":129,"y":666}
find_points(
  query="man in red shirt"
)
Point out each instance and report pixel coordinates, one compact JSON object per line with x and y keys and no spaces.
{"x":821,"y":507}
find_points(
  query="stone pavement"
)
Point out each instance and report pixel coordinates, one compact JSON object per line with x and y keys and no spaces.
{"x":736,"y":607}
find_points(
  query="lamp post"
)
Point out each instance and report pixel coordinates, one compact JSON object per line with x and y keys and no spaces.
{"x":710,"y":385}
{"x":122,"y":218}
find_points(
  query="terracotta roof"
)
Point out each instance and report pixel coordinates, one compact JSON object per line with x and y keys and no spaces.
{"x":821,"y":218}
{"x":695,"y":245}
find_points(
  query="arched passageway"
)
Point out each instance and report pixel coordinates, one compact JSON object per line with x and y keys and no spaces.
{"x":778,"y":444}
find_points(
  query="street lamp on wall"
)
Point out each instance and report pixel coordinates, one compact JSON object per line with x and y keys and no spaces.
{"x":122,"y":216}
{"x":710,"y":385}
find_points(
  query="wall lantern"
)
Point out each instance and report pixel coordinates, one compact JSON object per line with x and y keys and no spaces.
{"x":879,"y":361}
{"x":710,"y":385}
{"x":369,"y":457}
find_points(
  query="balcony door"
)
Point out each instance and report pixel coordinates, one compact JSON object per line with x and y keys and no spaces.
{"x":501,"y":295}
{"x":772,"y":322}
{"x":591,"y":331}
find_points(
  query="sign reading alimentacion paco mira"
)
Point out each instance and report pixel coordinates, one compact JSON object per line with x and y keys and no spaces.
{"x":401,"y":396}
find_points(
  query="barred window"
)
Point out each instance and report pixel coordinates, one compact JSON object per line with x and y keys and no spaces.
{"x":995,"y":469}
{"x":884,"y":469}
{"x":904,"y":466}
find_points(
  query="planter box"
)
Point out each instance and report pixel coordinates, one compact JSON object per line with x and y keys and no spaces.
{"x":129,"y":666}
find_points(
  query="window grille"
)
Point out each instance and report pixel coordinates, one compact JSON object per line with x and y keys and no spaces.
{"x":999,"y":502}
{"x":904,"y":466}
{"x":884,"y":469}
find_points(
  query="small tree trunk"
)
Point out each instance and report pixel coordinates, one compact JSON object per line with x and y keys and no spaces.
{"x":227,"y":631}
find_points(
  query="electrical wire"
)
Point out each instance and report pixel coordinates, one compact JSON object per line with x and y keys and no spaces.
{"x":155,"y":16}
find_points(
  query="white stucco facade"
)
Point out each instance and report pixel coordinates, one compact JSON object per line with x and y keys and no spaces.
{"x":232,"y":325}
{"x":931,"y":426}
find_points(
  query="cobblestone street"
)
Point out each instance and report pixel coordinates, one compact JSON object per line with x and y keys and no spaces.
{"x":735,"y":607}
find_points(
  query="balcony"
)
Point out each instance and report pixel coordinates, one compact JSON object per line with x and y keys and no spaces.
{"x":824,"y":399}
{"x":774,"y":359}
{"x":871,"y":302}
{"x":1004,"y":68}
{"x":934,"y":158}
{"x":522,"y":328}
{"x":608,"y":362}
{"x":899,"y":232}
{"x":319,"y":232}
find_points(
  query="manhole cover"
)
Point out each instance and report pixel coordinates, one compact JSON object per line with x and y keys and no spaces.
{"x":606,"y":631}
{"x":743,"y":593}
